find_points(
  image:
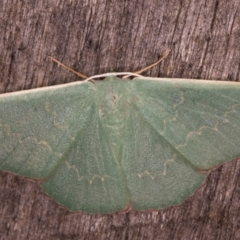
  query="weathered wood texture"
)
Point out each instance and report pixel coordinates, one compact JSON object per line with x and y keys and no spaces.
{"x":114,"y":35}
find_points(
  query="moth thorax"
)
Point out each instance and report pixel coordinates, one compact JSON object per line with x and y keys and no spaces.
{"x":113,"y":113}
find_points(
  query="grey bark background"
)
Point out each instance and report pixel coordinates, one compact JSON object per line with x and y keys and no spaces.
{"x":118,"y":35}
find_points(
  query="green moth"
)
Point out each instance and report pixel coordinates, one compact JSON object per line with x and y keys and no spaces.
{"x":117,"y":144}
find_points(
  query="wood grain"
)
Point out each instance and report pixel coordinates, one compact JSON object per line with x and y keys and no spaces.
{"x":114,"y":35}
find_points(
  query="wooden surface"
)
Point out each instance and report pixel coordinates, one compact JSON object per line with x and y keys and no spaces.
{"x":114,"y":35}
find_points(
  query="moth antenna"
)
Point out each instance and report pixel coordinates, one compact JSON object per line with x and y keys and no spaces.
{"x":154,"y":64}
{"x":68,"y":68}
